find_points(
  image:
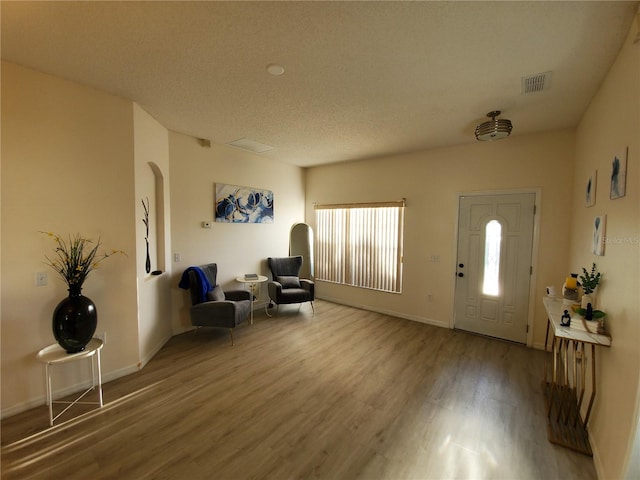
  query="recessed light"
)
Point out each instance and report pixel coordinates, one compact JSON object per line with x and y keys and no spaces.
{"x":275,"y":69}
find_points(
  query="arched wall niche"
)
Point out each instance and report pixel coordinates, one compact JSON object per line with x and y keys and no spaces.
{"x":157,"y":239}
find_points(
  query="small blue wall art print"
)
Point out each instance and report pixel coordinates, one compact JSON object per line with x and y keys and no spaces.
{"x":235,"y":204}
{"x":619,"y":175}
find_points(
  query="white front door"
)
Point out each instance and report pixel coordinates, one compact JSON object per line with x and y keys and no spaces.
{"x":495,"y":242}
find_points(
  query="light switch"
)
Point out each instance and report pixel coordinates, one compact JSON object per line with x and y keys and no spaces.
{"x":41,"y":279}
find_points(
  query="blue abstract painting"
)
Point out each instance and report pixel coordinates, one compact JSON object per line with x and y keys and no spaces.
{"x":235,"y":204}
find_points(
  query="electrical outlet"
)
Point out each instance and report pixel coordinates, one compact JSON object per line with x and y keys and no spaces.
{"x":177,"y":257}
{"x":40,"y":279}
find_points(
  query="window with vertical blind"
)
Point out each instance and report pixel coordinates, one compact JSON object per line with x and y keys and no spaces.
{"x":360,"y":244}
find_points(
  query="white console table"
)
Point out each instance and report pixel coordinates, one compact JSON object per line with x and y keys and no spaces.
{"x":56,"y":355}
{"x":565,"y":378}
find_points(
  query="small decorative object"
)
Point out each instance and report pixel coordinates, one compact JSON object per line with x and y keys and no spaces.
{"x":75,"y":318}
{"x":597,"y":242}
{"x":565,"y":320}
{"x":234,"y":204}
{"x":595,"y":314}
{"x":590,"y":190}
{"x":570,"y":287}
{"x":589,"y":282}
{"x":145,"y":220}
{"x":590,"y":314}
{"x":619,"y":175}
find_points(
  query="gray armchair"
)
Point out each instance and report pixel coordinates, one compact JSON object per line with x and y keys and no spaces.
{"x":214,"y":308}
{"x":287,"y":287}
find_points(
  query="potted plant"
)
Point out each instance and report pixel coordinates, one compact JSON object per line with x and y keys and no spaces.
{"x":75,"y":318}
{"x":589,"y":281}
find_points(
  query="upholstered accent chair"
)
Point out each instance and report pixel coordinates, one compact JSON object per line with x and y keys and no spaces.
{"x":286,"y":286}
{"x":210,"y":305}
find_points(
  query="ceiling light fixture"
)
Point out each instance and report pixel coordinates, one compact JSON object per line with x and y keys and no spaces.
{"x":275,"y":69}
{"x":493,"y":129}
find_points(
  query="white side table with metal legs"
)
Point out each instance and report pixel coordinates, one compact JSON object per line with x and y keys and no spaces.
{"x":56,"y":355}
{"x":252,"y":281}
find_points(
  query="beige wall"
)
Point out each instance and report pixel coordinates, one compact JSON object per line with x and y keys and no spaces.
{"x":78,"y":160}
{"x":152,"y":184}
{"x":430,"y":181}
{"x":612,"y":123}
{"x":236,"y":248}
{"x":67,"y":166}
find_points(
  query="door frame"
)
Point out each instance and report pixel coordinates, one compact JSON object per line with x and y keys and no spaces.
{"x":537,"y":191}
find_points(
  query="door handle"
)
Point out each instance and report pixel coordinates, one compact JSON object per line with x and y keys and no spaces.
{"x":461,"y":274}
{"x":461,"y":265}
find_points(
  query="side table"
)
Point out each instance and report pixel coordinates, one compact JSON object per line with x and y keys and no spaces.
{"x":565,"y":378}
{"x":252,"y":282}
{"x":56,"y":355}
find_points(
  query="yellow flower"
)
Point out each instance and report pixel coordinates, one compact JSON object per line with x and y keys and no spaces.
{"x":74,"y":259}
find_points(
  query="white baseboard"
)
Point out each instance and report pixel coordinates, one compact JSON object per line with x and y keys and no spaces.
{"x":538,"y":346}
{"x":147,"y":358}
{"x":76,"y":388}
{"x":392,"y":313}
{"x":22,"y":407}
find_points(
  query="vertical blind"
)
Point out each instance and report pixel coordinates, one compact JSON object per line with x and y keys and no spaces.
{"x":360,"y":244}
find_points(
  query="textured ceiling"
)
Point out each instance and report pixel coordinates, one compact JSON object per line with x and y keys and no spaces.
{"x":362,"y":79}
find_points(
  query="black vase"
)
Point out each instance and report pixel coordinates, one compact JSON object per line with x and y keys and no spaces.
{"x":74,"y":321}
{"x":147,"y":264}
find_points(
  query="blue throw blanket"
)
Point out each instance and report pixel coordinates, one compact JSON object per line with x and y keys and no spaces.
{"x":205,"y":284}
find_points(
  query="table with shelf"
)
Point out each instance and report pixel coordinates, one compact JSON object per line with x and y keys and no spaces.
{"x":565,"y":378}
{"x":56,"y":355}
{"x":252,"y":282}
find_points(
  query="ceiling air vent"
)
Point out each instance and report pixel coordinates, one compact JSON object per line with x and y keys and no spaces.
{"x":536,"y":83}
{"x":250,"y":145}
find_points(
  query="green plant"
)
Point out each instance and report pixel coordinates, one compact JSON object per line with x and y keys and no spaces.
{"x":597,"y":314}
{"x":589,"y":280}
{"x":76,"y":257}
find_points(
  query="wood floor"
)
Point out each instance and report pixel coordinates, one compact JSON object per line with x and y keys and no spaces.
{"x":344,"y":394}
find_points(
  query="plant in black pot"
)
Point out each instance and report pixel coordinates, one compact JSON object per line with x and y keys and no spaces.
{"x":75,"y":318}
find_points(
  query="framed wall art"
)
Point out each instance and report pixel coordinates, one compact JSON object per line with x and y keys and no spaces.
{"x":590,"y":189}
{"x":619,"y":175}
{"x":236,"y":204}
{"x":599,"y":233}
